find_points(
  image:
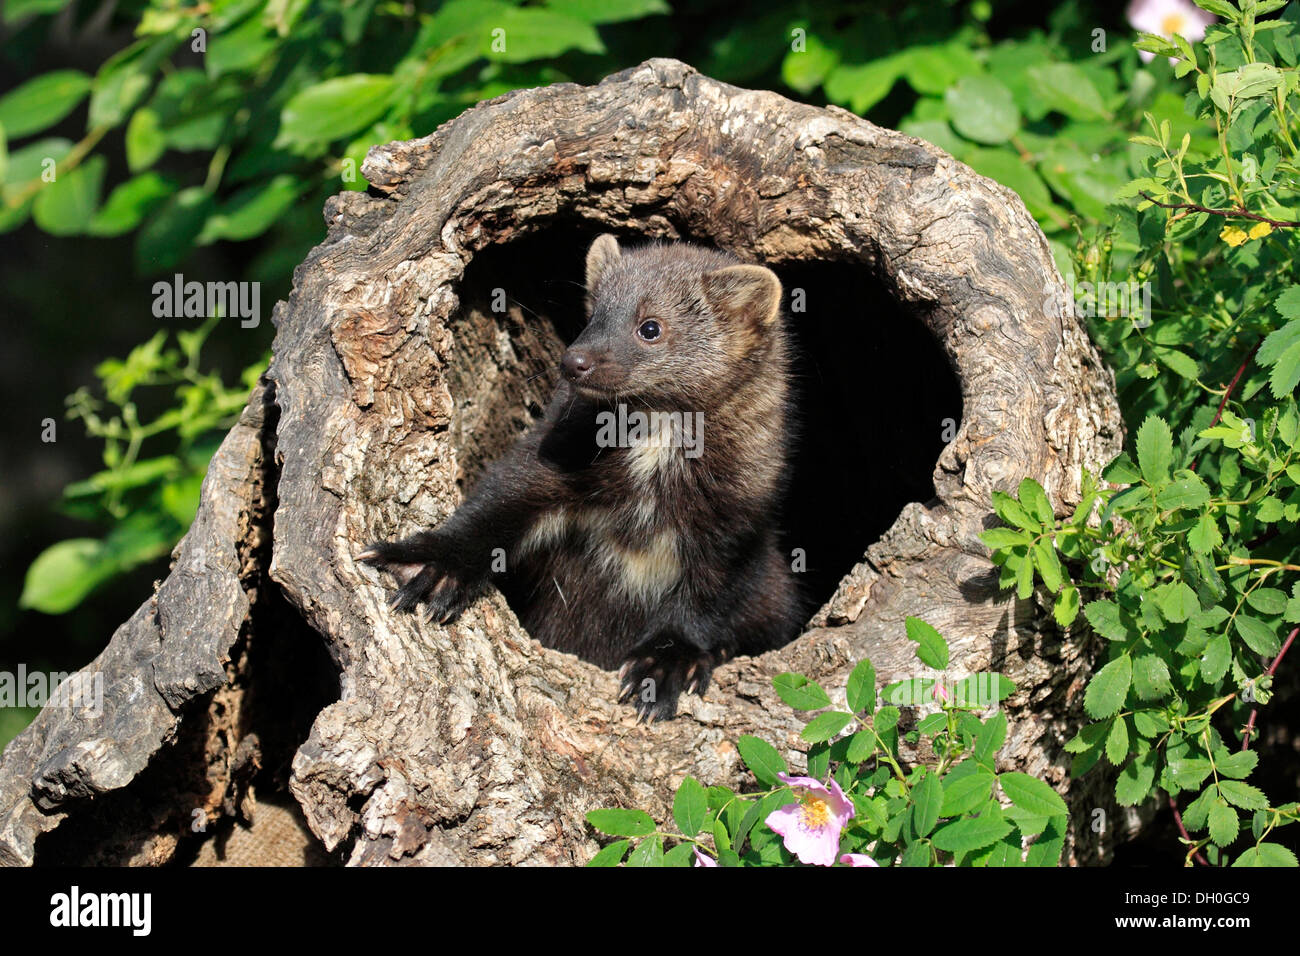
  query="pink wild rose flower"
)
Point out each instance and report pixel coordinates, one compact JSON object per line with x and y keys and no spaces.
{"x":811,"y":828}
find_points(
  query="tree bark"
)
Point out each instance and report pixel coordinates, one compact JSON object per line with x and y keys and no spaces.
{"x":389,"y":387}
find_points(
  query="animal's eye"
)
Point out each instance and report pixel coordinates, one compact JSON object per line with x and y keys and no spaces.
{"x":649,"y":330}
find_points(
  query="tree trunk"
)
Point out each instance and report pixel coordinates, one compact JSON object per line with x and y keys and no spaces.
{"x":418,"y":341}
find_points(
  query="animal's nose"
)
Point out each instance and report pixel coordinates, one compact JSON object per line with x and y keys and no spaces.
{"x":576,"y":364}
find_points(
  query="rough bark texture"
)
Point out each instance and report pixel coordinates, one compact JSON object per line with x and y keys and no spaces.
{"x":470,"y":743}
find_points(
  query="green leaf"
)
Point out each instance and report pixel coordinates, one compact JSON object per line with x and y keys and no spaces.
{"x":1122,"y":471}
{"x":1205,"y":537}
{"x":799,"y":692}
{"x":42,"y":102}
{"x":825,"y":726}
{"x":1136,"y":779}
{"x":691,"y":806}
{"x":648,"y":853}
{"x":145,"y":139}
{"x":932,"y":649}
{"x":1104,"y":616}
{"x":863,"y":85}
{"x":1155,"y":449}
{"x":1259,"y":637}
{"x":762,"y":759}
{"x":1108,"y":688}
{"x":1243,"y":795}
{"x":1267,"y":600}
{"x":1010,"y":511}
{"x":683,"y":854}
{"x":1117,"y":741}
{"x":608,"y":11}
{"x":962,"y":794}
{"x":333,"y":109}
{"x":64,"y":573}
{"x":928,"y":797}
{"x":1033,"y":497}
{"x":129,"y":203}
{"x":1266,"y":854}
{"x":251,"y":212}
{"x":861,"y":691}
{"x":1048,"y":565}
{"x":1237,"y":765}
{"x":972,"y":833}
{"x":990,"y":738}
{"x":621,"y":822}
{"x":1004,"y":538}
{"x":1177,"y":602}
{"x":983,"y":109}
{"x":1031,"y":794}
{"x":1286,"y":373}
{"x":65,"y":206}
{"x":1069,"y":90}
{"x":611,"y":855}
{"x":1216,"y":658}
{"x":1066,"y":608}
{"x":1180,"y":363}
{"x":1188,"y":491}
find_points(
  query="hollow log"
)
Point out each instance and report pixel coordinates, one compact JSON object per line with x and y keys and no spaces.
{"x":939,"y":365}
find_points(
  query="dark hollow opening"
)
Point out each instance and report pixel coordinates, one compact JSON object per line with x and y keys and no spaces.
{"x":877,"y":397}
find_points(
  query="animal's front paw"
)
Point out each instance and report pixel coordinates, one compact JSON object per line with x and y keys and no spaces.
{"x":656,"y":674}
{"x":428,"y":574}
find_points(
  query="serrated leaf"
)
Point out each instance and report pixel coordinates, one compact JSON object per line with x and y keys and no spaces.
{"x":1266,"y":854}
{"x":1031,"y":794}
{"x":1122,"y":471}
{"x":825,"y":726}
{"x":1108,"y":688}
{"x":1155,"y":450}
{"x":1205,"y":537}
{"x":1136,"y":779}
{"x":1104,"y":616}
{"x":963,"y":794}
{"x":1223,"y":823}
{"x":1216,"y":658}
{"x":992,"y":735}
{"x":1150,"y":677}
{"x":972,"y":833}
{"x":1243,"y":795}
{"x":1237,"y":765}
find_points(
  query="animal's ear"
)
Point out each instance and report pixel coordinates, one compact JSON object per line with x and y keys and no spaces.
{"x":751,"y":294}
{"x":604,"y":252}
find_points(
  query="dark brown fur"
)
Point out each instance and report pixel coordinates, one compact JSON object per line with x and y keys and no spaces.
{"x":665,"y":559}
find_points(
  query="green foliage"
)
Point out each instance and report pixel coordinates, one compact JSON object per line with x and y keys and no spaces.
{"x":150,"y":501}
{"x":274,"y":107}
{"x":1189,"y":539}
{"x":956,"y":809}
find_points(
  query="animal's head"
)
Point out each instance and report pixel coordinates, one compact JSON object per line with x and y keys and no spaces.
{"x":671,"y":323}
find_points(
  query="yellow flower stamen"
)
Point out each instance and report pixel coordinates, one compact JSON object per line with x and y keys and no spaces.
{"x":816,"y":812}
{"x":1172,"y":23}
